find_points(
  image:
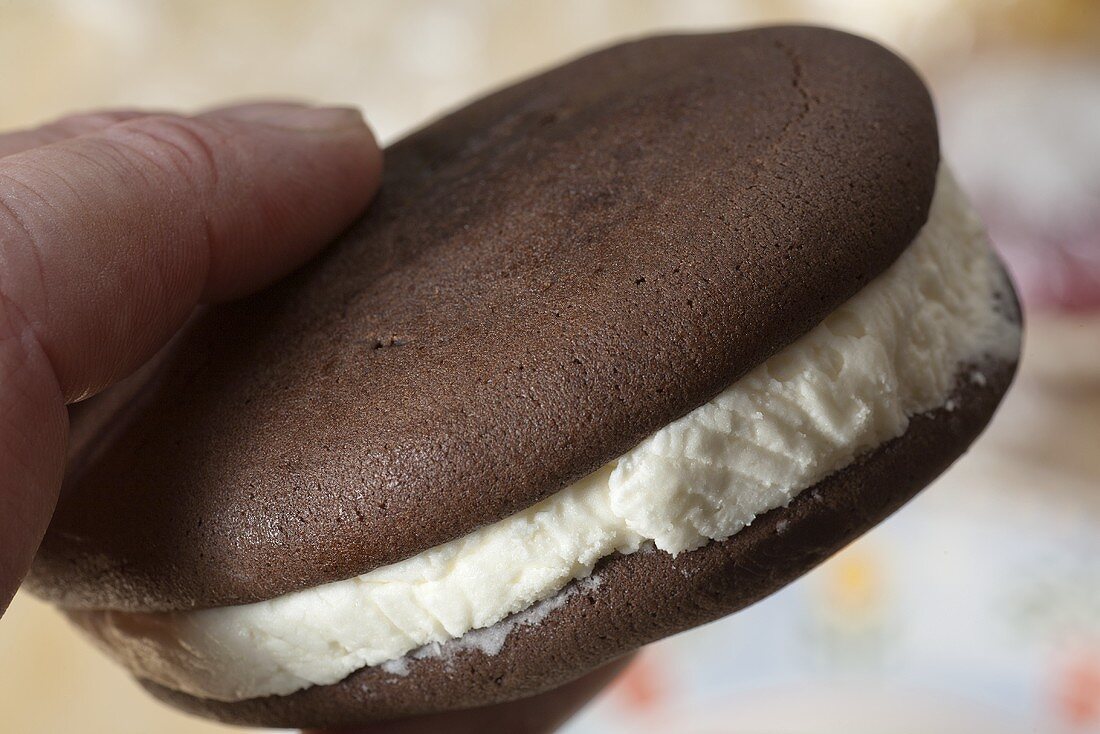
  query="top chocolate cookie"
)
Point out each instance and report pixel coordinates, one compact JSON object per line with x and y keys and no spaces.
{"x":548,"y":276}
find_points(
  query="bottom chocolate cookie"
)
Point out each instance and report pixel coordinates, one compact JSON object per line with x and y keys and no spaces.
{"x":634,"y":599}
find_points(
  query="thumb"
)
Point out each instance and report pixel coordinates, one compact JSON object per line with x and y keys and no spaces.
{"x":109,"y":240}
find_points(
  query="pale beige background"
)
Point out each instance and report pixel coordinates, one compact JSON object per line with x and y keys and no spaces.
{"x":402,"y":62}
{"x":407,"y":59}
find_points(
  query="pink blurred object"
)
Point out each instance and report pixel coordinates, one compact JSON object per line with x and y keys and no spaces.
{"x":1021,"y":132}
{"x":1053,"y":272}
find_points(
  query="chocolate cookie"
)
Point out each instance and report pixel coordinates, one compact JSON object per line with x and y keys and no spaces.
{"x":640,"y":597}
{"x":605,"y":318}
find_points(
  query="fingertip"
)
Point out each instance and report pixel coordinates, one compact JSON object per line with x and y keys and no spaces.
{"x":310,"y":170}
{"x":297,"y":116}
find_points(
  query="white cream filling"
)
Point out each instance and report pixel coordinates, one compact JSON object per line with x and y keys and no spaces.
{"x":894,"y":350}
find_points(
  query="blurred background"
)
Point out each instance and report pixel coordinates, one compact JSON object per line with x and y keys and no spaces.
{"x":976,"y":609}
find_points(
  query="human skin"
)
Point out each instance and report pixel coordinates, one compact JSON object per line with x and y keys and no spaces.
{"x":114,"y":227}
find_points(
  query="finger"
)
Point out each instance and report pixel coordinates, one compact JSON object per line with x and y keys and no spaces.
{"x":107,"y":242}
{"x":32,"y":446}
{"x":64,"y":128}
{"x":256,"y":110}
{"x":535,"y":715}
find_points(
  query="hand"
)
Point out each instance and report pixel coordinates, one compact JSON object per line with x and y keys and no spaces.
{"x":113,"y":227}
